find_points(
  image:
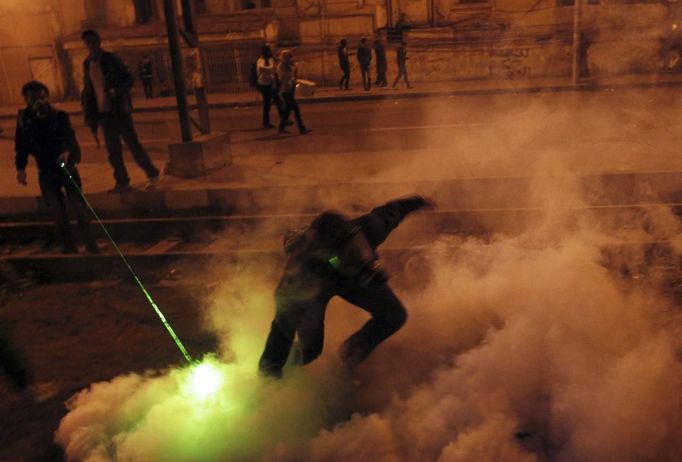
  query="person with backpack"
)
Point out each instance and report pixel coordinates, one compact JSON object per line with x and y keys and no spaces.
{"x":336,"y":256}
{"x":265,"y":80}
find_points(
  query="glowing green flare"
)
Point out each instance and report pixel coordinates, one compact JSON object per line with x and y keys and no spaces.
{"x":334,"y":261}
{"x":170,"y":330}
{"x":205,"y":380}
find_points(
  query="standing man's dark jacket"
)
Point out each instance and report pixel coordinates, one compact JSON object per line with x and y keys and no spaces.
{"x":401,"y":56}
{"x":343,"y":57}
{"x":364,"y":56}
{"x":46,"y":139}
{"x":380,"y":53}
{"x":117,"y":84}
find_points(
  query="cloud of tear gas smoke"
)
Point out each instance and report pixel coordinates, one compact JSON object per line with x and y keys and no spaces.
{"x":520,"y":349}
{"x":523,"y":348}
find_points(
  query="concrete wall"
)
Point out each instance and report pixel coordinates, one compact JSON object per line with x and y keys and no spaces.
{"x":448,"y":63}
{"x":30,"y":33}
{"x":501,"y":39}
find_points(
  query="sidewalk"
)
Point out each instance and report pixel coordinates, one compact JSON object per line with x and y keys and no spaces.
{"x":268,"y":172}
{"x":472,"y":87}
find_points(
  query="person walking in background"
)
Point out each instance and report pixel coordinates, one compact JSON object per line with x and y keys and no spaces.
{"x":46,"y":133}
{"x":266,"y":83}
{"x":146,"y":74}
{"x":287,"y":74}
{"x":382,"y":67}
{"x":107,"y":83}
{"x":401,"y":59}
{"x":344,"y":64}
{"x":364,"y":59}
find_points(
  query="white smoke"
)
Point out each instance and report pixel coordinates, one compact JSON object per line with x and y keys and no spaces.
{"x":516,"y":349}
{"x":530,"y":347}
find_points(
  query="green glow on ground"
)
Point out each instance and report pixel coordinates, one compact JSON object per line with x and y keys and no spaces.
{"x":205,"y":380}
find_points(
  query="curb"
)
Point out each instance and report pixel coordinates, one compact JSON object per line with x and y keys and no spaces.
{"x":485,"y":193}
{"x":588,"y":86}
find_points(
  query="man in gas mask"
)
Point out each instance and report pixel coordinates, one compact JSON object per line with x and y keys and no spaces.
{"x":46,"y":133}
{"x":335,"y":255}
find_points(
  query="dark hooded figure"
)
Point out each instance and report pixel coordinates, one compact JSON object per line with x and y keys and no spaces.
{"x":336,"y":255}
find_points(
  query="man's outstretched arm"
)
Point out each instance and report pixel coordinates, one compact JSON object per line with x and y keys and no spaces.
{"x":379,"y":223}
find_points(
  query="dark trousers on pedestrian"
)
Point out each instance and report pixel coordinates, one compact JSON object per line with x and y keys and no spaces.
{"x":115,"y":128}
{"x":381,"y":76}
{"x":366,"y":79}
{"x":402,"y":72}
{"x":270,"y":96}
{"x":343,"y":83}
{"x":290,"y":105}
{"x":57,"y":188}
{"x":305,"y":317}
{"x":148,"y":87}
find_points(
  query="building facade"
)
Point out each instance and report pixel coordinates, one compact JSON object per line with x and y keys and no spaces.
{"x":447,"y":39}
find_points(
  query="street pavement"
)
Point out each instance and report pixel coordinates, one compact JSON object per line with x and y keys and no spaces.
{"x":534,"y":128}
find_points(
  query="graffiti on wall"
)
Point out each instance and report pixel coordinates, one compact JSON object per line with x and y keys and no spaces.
{"x":509,"y":63}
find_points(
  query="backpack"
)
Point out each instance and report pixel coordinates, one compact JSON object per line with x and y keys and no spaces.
{"x":253,"y":75}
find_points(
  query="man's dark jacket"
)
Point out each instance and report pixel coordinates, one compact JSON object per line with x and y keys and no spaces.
{"x":307,"y":269}
{"x":46,"y":138}
{"x":118,"y":78}
{"x":364,"y":56}
{"x":380,"y":53}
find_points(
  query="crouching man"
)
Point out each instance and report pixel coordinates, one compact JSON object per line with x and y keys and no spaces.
{"x":336,"y":255}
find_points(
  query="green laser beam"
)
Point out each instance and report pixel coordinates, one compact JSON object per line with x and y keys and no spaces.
{"x":146,"y":293}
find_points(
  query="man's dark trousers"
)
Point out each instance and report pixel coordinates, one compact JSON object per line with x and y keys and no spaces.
{"x":148,"y":88}
{"x":305,"y":317}
{"x":52,"y":183}
{"x":366,"y":79}
{"x":402,"y":72}
{"x":343,"y":83}
{"x":269,"y":96}
{"x":290,"y":105}
{"x":115,"y":127}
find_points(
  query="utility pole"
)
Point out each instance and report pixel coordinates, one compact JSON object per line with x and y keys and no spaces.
{"x":171,"y":14}
{"x":191,"y":35}
{"x":577,"y":26}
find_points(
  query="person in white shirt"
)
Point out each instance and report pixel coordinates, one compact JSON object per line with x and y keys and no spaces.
{"x":287,"y":74}
{"x":267,"y":84}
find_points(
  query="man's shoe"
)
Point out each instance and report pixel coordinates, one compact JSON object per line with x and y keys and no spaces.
{"x":266,"y":126}
{"x":289,"y":123}
{"x":282,"y":131}
{"x":304,"y":131}
{"x":120,"y":189}
{"x":154,"y":182}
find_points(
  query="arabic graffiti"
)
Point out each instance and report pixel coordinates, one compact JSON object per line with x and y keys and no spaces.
{"x":509,"y":63}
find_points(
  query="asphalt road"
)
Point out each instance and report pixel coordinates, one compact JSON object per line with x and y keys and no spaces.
{"x":601,"y":120}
